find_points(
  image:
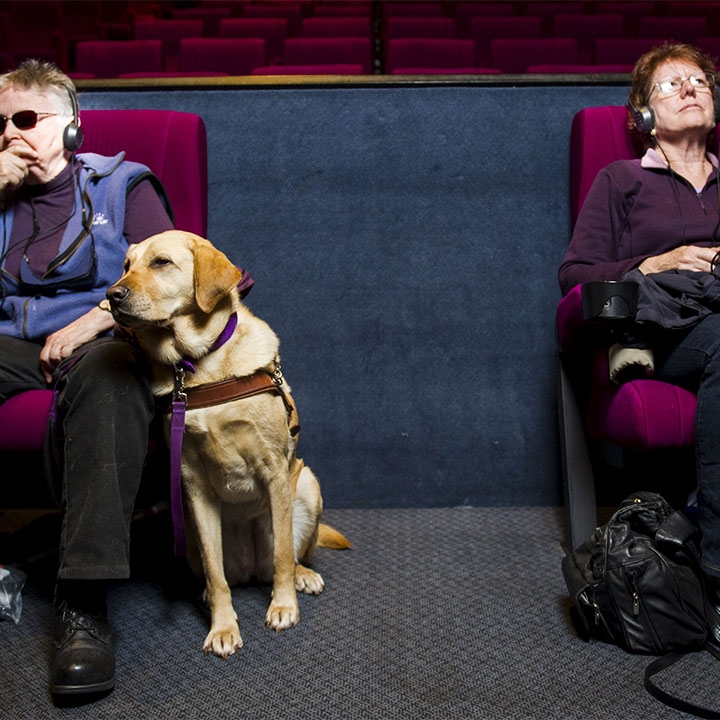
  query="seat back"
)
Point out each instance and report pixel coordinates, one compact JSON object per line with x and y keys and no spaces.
{"x":598,"y":136}
{"x":169,"y":32}
{"x":514,"y":55}
{"x":336,"y":27}
{"x":172,"y":144}
{"x":429,"y":52}
{"x":234,"y":56}
{"x":109,"y":58}
{"x":485,"y":29}
{"x":429,"y":27}
{"x":329,"y":51}
{"x":273,"y":31}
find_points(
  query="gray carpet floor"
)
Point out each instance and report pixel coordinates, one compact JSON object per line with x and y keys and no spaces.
{"x":435,"y":613}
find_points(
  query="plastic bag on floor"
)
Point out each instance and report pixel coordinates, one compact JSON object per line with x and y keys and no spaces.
{"x":11,"y":585}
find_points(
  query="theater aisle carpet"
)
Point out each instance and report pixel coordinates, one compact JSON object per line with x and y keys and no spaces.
{"x":436,"y":613}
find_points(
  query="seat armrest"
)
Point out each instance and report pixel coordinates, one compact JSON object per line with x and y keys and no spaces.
{"x":586,"y":313}
{"x":610,"y":300}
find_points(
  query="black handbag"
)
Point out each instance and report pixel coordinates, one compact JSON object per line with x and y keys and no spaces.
{"x":637,"y":583}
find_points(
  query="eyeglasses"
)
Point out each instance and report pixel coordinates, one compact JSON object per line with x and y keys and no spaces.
{"x":672,"y":86}
{"x":23,"y":120}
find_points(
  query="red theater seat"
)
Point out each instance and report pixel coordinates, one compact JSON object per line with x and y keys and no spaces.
{"x":273,"y":31}
{"x":622,"y":50}
{"x":429,"y":52}
{"x":486,"y":29}
{"x":420,"y":27}
{"x":170,"y":33}
{"x":342,"y":69}
{"x":586,"y":28}
{"x":516,"y":55}
{"x":336,"y":27}
{"x":329,"y":51}
{"x":110,"y":58}
{"x":234,"y":56}
{"x":638,"y":415}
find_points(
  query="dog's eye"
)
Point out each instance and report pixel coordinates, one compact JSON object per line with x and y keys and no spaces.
{"x":160,"y":262}
{"x":126,"y":266}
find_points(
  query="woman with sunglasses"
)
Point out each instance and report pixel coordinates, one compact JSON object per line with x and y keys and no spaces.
{"x":660,"y":215}
{"x":66,"y":222}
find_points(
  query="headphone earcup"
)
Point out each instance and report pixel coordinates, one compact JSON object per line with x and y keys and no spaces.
{"x":72,"y":137}
{"x":73,"y":134}
{"x":643,"y":118}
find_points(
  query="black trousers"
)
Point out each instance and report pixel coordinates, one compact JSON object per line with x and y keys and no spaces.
{"x":105,"y":408}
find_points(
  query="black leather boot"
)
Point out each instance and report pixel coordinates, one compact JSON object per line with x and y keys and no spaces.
{"x":83,"y":656}
{"x":712,"y":608}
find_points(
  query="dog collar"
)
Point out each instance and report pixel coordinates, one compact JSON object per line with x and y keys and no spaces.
{"x":224,"y":336}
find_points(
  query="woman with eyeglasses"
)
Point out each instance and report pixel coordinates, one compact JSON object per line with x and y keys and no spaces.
{"x":655,"y":218}
{"x":67,"y":220}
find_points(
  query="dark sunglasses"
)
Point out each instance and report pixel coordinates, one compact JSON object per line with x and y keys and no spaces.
{"x":23,"y":120}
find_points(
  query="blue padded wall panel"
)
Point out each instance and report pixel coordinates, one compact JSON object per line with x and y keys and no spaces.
{"x":405,"y":242}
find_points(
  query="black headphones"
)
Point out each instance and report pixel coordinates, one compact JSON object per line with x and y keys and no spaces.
{"x":73,"y":134}
{"x":644,"y":118}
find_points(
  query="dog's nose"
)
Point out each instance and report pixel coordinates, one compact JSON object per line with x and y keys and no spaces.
{"x":117,"y":294}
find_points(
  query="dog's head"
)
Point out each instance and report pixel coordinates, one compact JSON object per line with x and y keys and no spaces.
{"x":171,"y":275}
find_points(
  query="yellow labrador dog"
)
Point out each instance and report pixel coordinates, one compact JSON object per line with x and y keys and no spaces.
{"x":256,"y":507}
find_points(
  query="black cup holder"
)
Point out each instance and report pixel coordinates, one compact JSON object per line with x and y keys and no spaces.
{"x":612,"y":300}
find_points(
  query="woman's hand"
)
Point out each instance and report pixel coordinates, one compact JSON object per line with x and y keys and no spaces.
{"x":64,"y":342}
{"x":15,"y":163}
{"x":685,"y":257}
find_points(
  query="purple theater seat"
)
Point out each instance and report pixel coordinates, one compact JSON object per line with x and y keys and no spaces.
{"x":412,"y":9}
{"x":515,"y":55}
{"x":292,"y":12}
{"x":586,"y":28}
{"x":420,"y":27}
{"x":344,"y":9}
{"x":429,"y":52}
{"x":445,"y":71}
{"x":338,"y":69}
{"x":234,"y":56}
{"x":336,"y":27}
{"x":109,"y":58}
{"x":682,"y":29}
{"x":329,"y":51}
{"x":174,"y":146}
{"x":466,"y":11}
{"x":348,"y":8}
{"x":485,"y":29}
{"x":273,"y":31}
{"x":210,"y":16}
{"x":170,"y":33}
{"x":22,"y":420}
{"x":623,"y":50}
{"x":639,"y":415}
{"x":578,"y":69}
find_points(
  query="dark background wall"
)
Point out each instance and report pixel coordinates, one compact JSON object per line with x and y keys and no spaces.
{"x":405,"y":241}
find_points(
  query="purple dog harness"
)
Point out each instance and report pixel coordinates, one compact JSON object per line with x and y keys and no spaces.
{"x":202,"y":396}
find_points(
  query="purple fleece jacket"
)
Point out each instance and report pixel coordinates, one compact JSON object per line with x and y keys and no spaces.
{"x":636,"y":209}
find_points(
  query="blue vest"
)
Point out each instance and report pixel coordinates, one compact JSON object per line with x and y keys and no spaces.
{"x":90,"y":257}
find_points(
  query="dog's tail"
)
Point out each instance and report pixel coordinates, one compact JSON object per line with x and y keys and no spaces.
{"x":330,"y":538}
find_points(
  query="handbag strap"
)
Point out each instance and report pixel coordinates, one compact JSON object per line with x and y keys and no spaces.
{"x":672,"y":701}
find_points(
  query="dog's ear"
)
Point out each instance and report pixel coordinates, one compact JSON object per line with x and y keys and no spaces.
{"x":215,"y":276}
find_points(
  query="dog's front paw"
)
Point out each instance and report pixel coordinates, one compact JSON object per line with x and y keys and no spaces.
{"x":281,"y":617}
{"x":308,"y":581}
{"x":223,"y":643}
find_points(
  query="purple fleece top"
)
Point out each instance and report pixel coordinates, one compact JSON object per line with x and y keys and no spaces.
{"x":636,"y":209}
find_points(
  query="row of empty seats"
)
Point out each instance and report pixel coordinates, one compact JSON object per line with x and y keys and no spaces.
{"x":124,"y":38}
